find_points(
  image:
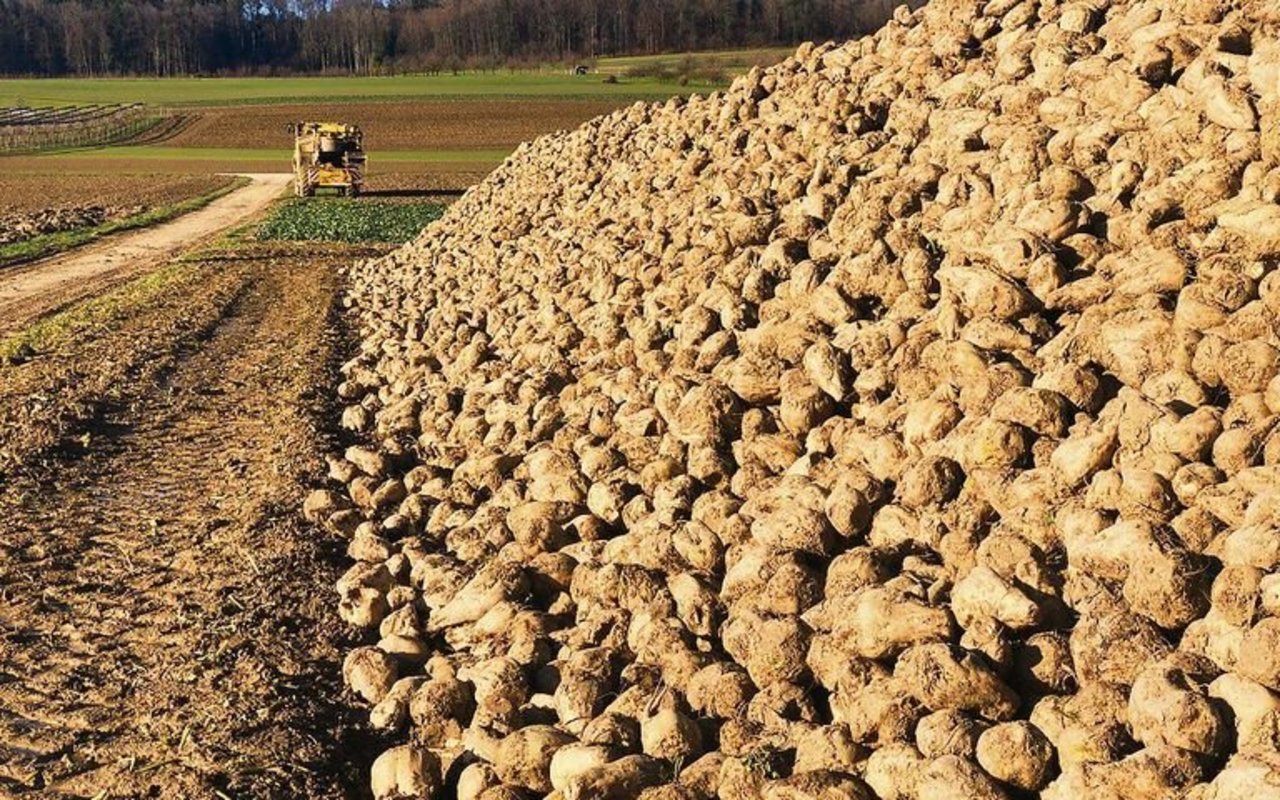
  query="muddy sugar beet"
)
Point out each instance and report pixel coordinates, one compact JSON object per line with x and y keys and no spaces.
{"x":899,"y":423}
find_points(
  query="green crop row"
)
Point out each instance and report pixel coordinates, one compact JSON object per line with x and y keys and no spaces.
{"x":343,"y":220}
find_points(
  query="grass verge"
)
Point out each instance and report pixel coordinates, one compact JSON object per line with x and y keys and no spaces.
{"x":348,"y":220}
{"x":95,"y":317}
{"x":97,"y":314}
{"x":181,"y":92}
{"x":52,"y":243}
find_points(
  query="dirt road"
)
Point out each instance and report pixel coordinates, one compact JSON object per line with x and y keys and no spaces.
{"x":33,"y":290}
{"x":166,"y":618}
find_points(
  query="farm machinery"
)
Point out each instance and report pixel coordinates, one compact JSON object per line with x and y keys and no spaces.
{"x":327,"y":155}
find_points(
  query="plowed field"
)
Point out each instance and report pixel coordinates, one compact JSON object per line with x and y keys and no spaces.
{"x":409,"y":125}
{"x":53,"y":188}
{"x":166,"y":628}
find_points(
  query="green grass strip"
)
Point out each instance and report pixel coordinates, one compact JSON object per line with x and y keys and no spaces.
{"x":180,"y":92}
{"x":52,"y":243}
{"x":98,"y":313}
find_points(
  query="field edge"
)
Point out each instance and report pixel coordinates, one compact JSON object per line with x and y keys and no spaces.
{"x":51,"y":244}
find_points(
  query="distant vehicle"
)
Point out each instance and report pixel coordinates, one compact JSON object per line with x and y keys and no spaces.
{"x":327,"y":155}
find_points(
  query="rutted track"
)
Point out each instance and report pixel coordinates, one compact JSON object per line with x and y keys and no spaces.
{"x":165,"y":625}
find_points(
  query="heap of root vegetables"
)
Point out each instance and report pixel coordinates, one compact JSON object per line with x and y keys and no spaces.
{"x":898,"y":423}
{"x":20,"y":227}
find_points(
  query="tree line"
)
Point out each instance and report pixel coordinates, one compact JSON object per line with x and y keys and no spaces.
{"x":193,"y":37}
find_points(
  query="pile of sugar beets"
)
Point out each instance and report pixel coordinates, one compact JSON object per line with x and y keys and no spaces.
{"x":20,"y":227}
{"x":899,"y":423}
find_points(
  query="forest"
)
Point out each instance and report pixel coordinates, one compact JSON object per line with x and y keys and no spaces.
{"x":266,"y":37}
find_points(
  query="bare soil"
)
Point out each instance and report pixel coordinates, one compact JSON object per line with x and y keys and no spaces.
{"x":24,"y":191}
{"x":36,"y":289}
{"x":437,"y":182}
{"x":400,"y":125}
{"x":166,"y":624}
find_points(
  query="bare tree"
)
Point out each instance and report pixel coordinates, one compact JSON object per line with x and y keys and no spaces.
{"x":180,"y":37}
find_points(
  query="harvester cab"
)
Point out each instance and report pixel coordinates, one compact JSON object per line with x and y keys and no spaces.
{"x":327,"y":155}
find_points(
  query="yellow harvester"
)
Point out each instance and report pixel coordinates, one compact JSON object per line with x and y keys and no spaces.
{"x":327,"y":155}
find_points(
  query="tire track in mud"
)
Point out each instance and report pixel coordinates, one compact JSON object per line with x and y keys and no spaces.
{"x":166,"y":625}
